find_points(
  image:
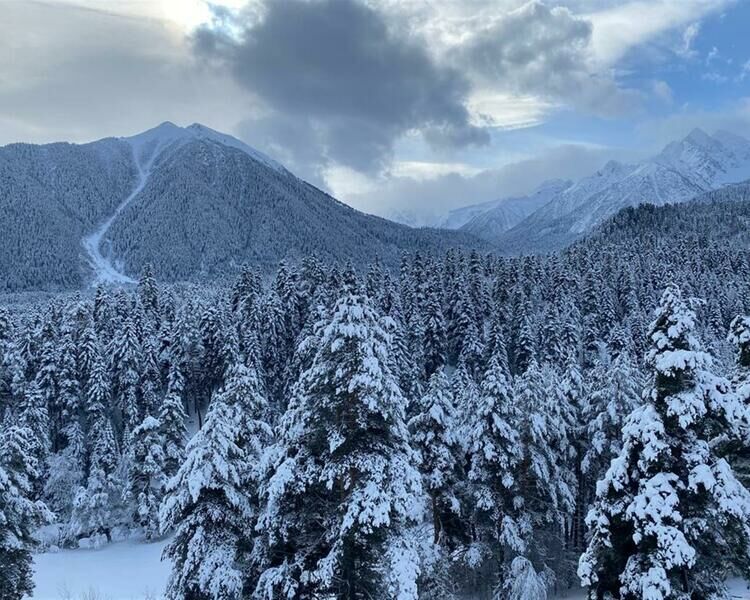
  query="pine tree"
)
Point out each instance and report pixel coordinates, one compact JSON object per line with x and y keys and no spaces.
{"x":670,"y":518}
{"x":126,"y":355}
{"x":148,"y":291}
{"x":614,"y":393}
{"x":213,"y":341}
{"x":343,"y":486}
{"x":150,"y":377}
{"x":472,"y":350}
{"x":495,"y":452}
{"x":434,"y":437}
{"x":69,"y":389}
{"x":47,"y":381}
{"x":739,"y":451}
{"x":243,"y":391}
{"x":546,"y":481}
{"x":65,"y":472}
{"x":172,"y":419}
{"x":96,"y":505}
{"x":19,"y":515}
{"x":434,"y":342}
{"x":95,"y":508}
{"x":525,"y":343}
{"x":33,"y":416}
{"x":146,"y":475}
{"x":89,"y":349}
{"x":207,"y":505}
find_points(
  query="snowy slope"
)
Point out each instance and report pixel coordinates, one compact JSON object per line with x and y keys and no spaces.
{"x":459,"y":217}
{"x":101,"y":261}
{"x":684,"y":169}
{"x":510,"y":211}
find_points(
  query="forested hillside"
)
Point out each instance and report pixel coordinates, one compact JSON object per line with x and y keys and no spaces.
{"x":207,"y":208}
{"x":192,"y":202}
{"x":50,"y":197}
{"x":437,"y":431}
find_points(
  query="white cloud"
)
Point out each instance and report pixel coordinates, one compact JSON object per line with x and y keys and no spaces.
{"x":714,"y":77}
{"x":507,"y":111}
{"x":688,"y":37}
{"x":620,"y":28}
{"x":744,"y":72}
{"x":77,"y":74}
{"x":662,"y":91}
{"x":422,"y":200}
{"x":424,"y":170}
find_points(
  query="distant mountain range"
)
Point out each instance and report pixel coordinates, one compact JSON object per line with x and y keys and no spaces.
{"x":197,"y":204}
{"x":193,"y":202}
{"x":559,"y":212}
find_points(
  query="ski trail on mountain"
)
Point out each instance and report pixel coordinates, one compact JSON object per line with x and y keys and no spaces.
{"x":105,"y":272}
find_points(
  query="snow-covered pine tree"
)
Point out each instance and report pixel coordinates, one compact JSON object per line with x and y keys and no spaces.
{"x":146,"y":475}
{"x":613,"y":393}
{"x":434,"y":436}
{"x":472,"y":350}
{"x":670,"y":519}
{"x":243,"y":391}
{"x":213,"y":342}
{"x":434,"y":342}
{"x":344,"y":484}
{"x":89,"y":348}
{"x":126,"y":356}
{"x":65,"y":472}
{"x":13,"y":379}
{"x":47,"y":380}
{"x":148,"y":292}
{"x":244,"y":296}
{"x":150,"y":377}
{"x":172,"y":419}
{"x":96,"y":506}
{"x":275,"y":345}
{"x":69,"y":388}
{"x":33,"y":416}
{"x":207,"y":505}
{"x":546,"y":480}
{"x":495,"y":452}
{"x":739,"y":451}
{"x":495,"y":345}
{"x":19,"y":515}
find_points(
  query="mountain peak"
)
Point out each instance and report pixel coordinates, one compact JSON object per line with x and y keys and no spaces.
{"x":611,"y":167}
{"x":167,"y":133}
{"x":699,"y":137}
{"x":553,"y":185}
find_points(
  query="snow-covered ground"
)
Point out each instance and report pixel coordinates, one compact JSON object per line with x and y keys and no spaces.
{"x":104,"y":269}
{"x":133,"y":570}
{"x":129,"y":570}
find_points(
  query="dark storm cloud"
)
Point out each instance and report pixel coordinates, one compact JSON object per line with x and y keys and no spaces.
{"x":544,"y":51}
{"x":335,"y":66}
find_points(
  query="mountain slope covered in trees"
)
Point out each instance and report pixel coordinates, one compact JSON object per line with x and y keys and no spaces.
{"x":208,"y":204}
{"x":433,"y":432}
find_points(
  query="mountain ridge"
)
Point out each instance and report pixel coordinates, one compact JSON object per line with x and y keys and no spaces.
{"x":683,"y":169}
{"x":208,"y":204}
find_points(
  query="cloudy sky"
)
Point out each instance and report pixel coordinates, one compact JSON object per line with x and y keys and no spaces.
{"x":395,"y":106}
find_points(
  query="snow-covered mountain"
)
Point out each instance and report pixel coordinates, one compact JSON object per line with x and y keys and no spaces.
{"x":194,"y":202}
{"x":506,"y":213}
{"x":682,"y":170}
